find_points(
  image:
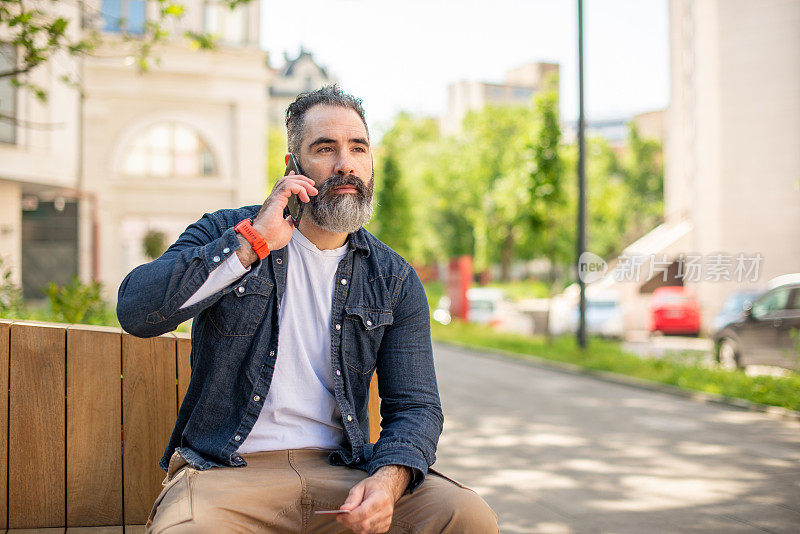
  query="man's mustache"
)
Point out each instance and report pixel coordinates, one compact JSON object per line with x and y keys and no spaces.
{"x":338,"y":180}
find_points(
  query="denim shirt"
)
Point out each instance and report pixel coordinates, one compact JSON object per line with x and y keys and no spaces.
{"x":379,"y":323}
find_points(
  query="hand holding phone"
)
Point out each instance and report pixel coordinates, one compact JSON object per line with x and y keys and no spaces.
{"x":273,"y":220}
{"x":295,"y":206}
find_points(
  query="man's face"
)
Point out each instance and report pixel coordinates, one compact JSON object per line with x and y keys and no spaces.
{"x":335,"y":153}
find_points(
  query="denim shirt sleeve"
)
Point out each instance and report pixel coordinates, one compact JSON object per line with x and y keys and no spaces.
{"x":410,"y":408}
{"x":150,"y":296}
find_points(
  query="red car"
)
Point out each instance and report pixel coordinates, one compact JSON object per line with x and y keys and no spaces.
{"x":674,"y":310}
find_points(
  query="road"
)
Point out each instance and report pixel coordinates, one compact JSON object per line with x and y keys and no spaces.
{"x":555,"y":452}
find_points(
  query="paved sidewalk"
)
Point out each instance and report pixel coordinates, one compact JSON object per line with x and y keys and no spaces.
{"x":556,"y":452}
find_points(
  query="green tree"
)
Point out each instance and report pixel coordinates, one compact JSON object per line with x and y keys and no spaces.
{"x":276,"y":152}
{"x":643,"y":172}
{"x":490,"y":181}
{"x":547,"y":197}
{"x":413,"y":145}
{"x":393,"y":222}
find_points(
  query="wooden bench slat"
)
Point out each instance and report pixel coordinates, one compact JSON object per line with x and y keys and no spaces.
{"x":374,"y":410}
{"x":36,"y":441}
{"x":95,"y":530}
{"x":149,"y":401}
{"x":5,"y":327}
{"x":94,"y":422}
{"x":49,"y":530}
{"x":184,"y":367}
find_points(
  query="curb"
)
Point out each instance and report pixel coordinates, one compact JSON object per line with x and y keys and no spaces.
{"x":697,"y":396}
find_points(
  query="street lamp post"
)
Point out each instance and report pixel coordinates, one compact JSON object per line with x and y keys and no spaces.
{"x":581,"y":184}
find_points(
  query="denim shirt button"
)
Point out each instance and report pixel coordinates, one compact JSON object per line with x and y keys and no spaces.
{"x":338,"y":327}
{"x":226,"y":250}
{"x":369,"y":323}
{"x":349,"y":417}
{"x":216,"y":259}
{"x":279,"y":261}
{"x":256,"y":398}
{"x":272,"y":353}
{"x":238,"y":438}
{"x":241,"y":289}
{"x":338,"y":373}
{"x":344,"y":281}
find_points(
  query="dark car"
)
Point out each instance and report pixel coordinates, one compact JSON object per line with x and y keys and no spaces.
{"x":733,"y":309}
{"x":762,"y":333}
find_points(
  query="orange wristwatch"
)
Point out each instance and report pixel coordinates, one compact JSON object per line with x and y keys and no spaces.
{"x":245,"y":227}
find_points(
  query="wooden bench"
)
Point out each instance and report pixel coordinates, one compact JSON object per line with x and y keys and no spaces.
{"x":88,"y":413}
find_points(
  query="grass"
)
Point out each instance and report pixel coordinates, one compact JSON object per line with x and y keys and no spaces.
{"x":608,"y":356}
{"x":523,"y":289}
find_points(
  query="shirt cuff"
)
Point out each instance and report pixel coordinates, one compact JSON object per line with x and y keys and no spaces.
{"x":227,"y":273}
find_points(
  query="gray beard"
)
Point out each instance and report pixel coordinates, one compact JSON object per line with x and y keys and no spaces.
{"x":341,"y":214}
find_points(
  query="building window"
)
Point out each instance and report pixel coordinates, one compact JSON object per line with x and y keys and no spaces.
{"x":169,"y":149}
{"x":228,"y":25}
{"x":124,"y":16}
{"x":8,"y":95}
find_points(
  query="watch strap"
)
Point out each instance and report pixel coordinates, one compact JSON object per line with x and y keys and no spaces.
{"x":245,"y":228}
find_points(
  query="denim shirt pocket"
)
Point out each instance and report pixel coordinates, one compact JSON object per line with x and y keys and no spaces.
{"x":241,"y":310}
{"x":363,"y":332}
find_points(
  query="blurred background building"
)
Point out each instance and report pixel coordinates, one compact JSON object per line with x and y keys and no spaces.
{"x":732,"y":132}
{"x":520,"y":85}
{"x":132,"y":152}
{"x":299,"y":75}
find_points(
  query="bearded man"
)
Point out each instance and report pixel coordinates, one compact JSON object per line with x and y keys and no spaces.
{"x":290,"y":323}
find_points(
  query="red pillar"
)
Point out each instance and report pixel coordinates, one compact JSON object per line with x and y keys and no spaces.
{"x":458,"y":281}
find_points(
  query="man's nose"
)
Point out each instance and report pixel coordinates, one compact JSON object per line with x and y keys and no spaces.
{"x":344,"y":165}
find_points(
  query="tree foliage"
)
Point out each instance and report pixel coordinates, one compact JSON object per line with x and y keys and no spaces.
{"x":504,"y":189}
{"x":394,"y":222}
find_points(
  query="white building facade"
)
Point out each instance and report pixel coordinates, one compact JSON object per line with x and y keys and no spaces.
{"x":153,"y":150}
{"x":732,"y":152}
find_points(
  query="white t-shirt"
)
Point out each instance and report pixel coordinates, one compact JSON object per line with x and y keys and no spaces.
{"x":300,"y":410}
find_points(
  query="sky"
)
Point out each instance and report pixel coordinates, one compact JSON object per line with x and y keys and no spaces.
{"x":401,"y":55}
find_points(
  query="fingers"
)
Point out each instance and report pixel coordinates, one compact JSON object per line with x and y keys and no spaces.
{"x":371,"y":510}
{"x":354,"y":498}
{"x":298,"y":184}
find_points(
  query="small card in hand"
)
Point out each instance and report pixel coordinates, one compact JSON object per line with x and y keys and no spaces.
{"x":331,"y":511}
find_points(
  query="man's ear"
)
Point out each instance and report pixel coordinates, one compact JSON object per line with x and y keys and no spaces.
{"x":286,"y":159}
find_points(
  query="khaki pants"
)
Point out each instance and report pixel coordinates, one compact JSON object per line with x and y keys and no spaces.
{"x":278,"y":491}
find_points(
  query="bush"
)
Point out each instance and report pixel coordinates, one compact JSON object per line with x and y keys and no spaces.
{"x":77,"y":302}
{"x":154,"y":244}
{"x":11,"y":303}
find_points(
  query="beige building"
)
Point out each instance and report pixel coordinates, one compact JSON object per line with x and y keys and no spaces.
{"x":140,"y":151}
{"x":732,"y":157}
{"x":299,"y":75}
{"x":520,"y":85}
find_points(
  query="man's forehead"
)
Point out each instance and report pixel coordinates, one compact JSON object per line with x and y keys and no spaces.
{"x":334,"y":122}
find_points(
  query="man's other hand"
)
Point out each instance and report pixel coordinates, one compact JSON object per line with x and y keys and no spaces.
{"x":371,"y":501}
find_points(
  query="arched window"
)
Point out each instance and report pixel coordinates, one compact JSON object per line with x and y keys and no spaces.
{"x":169,"y":149}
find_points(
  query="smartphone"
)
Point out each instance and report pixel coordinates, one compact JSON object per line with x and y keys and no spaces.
{"x":295,"y":205}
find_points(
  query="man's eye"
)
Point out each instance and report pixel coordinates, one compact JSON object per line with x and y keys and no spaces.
{"x":325,"y":149}
{"x":360,"y":149}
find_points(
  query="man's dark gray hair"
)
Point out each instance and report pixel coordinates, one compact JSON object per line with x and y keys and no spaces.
{"x":330,"y":95}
